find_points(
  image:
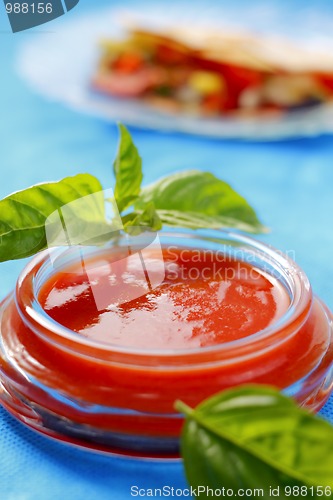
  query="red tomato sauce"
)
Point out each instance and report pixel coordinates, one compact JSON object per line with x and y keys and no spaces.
{"x":191,"y":336}
{"x":205,"y":299}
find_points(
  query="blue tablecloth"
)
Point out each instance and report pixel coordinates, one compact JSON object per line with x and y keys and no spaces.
{"x":289,"y":183}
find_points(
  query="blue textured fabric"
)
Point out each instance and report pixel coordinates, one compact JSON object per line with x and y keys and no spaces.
{"x":289,"y":183}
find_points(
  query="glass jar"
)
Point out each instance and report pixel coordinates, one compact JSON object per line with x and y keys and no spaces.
{"x":120,"y":400}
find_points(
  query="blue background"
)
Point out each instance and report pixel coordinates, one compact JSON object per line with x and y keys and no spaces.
{"x":290,"y":183}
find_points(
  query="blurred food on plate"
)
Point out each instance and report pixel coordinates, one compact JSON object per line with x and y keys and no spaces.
{"x":206,"y":73}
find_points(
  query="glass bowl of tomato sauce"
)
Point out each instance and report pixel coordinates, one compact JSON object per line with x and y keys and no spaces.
{"x":97,"y":343}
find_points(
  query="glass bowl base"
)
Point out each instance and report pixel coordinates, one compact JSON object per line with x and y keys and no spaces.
{"x":117,"y":444}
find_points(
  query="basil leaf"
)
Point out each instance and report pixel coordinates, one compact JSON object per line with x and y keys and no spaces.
{"x":196,"y":192}
{"x":196,"y":220}
{"x":136,"y":223}
{"x":23,"y":214}
{"x":255,"y":437}
{"x":127,"y":169}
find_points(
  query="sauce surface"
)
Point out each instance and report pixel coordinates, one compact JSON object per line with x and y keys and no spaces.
{"x":203,"y":299}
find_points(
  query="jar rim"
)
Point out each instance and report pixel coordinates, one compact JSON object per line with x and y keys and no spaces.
{"x":42,"y":324}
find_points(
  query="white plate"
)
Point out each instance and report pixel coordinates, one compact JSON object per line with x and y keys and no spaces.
{"x":59,"y":65}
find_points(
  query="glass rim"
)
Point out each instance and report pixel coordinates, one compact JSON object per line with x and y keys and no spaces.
{"x":42,"y":324}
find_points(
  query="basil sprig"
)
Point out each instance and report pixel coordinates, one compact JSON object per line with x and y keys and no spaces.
{"x":196,"y":199}
{"x":23,"y":214}
{"x":255,"y":437}
{"x":190,"y":199}
{"x":127,"y":168}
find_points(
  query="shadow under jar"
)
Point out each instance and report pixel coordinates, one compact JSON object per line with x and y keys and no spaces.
{"x":93,"y":354}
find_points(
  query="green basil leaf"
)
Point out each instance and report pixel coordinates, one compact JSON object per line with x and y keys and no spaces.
{"x":196,"y":192}
{"x":127,"y":169}
{"x":136,"y":223}
{"x":255,"y":437}
{"x":23,"y":214}
{"x":196,"y":220}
